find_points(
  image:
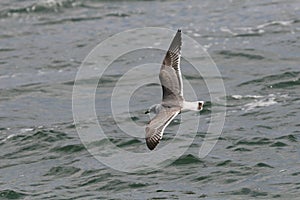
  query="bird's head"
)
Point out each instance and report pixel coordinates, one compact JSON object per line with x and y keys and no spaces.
{"x":200,"y":105}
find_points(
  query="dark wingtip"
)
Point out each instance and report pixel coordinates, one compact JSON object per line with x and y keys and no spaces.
{"x":150,"y":147}
{"x":151,"y":143}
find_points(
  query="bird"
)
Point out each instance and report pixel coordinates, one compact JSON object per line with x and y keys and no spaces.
{"x":173,"y":101}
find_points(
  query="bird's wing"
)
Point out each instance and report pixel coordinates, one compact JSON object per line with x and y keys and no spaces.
{"x":156,"y":127}
{"x":170,"y":73}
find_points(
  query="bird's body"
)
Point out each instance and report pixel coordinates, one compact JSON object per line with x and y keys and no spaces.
{"x":172,"y":101}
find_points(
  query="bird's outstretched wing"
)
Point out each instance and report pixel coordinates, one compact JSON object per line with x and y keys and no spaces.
{"x":156,"y":127}
{"x":170,"y":73}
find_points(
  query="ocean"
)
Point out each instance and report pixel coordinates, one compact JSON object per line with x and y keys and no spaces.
{"x":52,"y":147}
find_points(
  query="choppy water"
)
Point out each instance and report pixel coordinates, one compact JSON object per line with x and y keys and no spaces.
{"x":255,"y":44}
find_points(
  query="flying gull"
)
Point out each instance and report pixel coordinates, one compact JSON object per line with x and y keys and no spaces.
{"x":172,"y":100}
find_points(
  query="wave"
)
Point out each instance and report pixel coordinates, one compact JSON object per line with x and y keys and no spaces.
{"x":249,"y":144}
{"x":260,"y":29}
{"x":187,"y":160}
{"x":62,"y":171}
{"x":58,"y":6}
{"x":11,"y":194}
{"x":41,"y":7}
{"x":248,"y":192}
{"x":230,"y":54}
{"x":69,"y":149}
{"x":274,"y":78}
{"x":285,"y":84}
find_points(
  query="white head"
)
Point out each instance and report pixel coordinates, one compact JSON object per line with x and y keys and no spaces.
{"x":200,"y":105}
{"x":195,"y":106}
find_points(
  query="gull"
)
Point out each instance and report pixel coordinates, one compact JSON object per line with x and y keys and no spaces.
{"x":173,"y":102}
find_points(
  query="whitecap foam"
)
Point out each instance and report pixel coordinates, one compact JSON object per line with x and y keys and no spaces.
{"x":260,"y":103}
{"x":282,"y":23}
{"x":8,"y":137}
{"x":237,"y":96}
{"x":25,"y":130}
{"x":259,"y":100}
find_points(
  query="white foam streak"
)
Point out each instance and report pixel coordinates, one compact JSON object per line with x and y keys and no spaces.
{"x":260,"y":103}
